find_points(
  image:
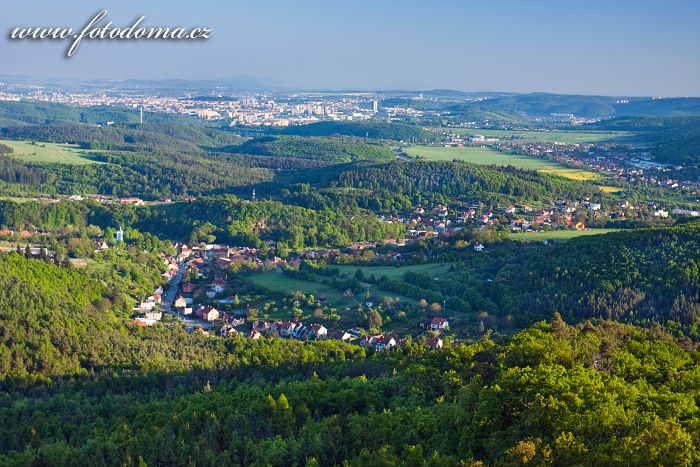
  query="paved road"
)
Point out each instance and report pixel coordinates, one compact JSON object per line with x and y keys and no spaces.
{"x":400,"y":155}
{"x":169,"y":297}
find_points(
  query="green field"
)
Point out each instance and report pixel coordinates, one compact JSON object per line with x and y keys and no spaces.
{"x":569,"y":137}
{"x":49,"y":152}
{"x":393,"y":272}
{"x":279,"y":282}
{"x":486,"y":156}
{"x":561,"y":235}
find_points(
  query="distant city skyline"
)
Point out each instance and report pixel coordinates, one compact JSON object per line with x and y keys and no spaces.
{"x":645,"y":48}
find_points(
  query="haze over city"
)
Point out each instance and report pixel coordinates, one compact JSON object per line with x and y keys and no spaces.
{"x":594,"y":47}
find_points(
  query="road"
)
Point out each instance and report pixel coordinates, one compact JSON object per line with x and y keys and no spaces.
{"x":400,"y":155}
{"x":169,"y":297}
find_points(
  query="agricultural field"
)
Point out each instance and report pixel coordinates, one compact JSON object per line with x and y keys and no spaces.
{"x":50,"y":153}
{"x":486,"y":156}
{"x":569,"y":137}
{"x":561,"y":235}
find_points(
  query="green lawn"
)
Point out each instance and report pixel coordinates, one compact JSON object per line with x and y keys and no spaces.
{"x":570,"y":137}
{"x":561,"y":235}
{"x":277,"y":281}
{"x":486,"y":156}
{"x":49,"y":152}
{"x":393,"y":272}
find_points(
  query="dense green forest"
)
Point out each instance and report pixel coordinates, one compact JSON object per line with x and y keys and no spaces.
{"x":606,"y":394}
{"x":389,"y":186}
{"x":223,"y":218}
{"x":374,"y":130}
{"x":327,"y":149}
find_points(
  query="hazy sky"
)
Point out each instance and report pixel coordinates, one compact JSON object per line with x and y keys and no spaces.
{"x":591,"y":47}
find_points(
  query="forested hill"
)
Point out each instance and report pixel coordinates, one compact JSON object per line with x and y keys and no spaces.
{"x":552,"y":395}
{"x":337,"y":150}
{"x":373,"y":130}
{"x":123,"y":137}
{"x":545,"y":104}
{"x":446,"y":181}
{"x":640,"y":276}
{"x":218,"y":218}
{"x":49,"y":113}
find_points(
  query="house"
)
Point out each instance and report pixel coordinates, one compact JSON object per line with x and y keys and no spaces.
{"x":437,"y":324}
{"x":133,"y":201}
{"x":101,"y":245}
{"x":180,"y":302}
{"x":187,"y":310}
{"x":285,"y":329}
{"x":433,"y":343}
{"x":209,"y":313}
{"x":393,"y":256}
{"x":318,"y":331}
{"x":340,"y":336}
{"x":261,"y":326}
{"x":384,"y":343}
{"x":144,"y":322}
{"x":379,"y":342}
{"x":685,"y":212}
{"x":147,"y":305}
{"x":227,"y":330}
{"x":188,"y":287}
{"x":151,"y":314}
{"x":255,"y":335}
{"x":478,"y":247}
{"x":218,"y":286}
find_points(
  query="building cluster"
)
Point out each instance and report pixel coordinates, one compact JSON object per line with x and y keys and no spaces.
{"x":234,"y":108}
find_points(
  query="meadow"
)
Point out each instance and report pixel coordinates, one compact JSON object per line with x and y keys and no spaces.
{"x":277,"y":281}
{"x":561,"y":235}
{"x":486,"y":156}
{"x":49,"y":153}
{"x":394,"y":272}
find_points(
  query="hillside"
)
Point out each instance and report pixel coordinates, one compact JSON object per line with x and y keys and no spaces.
{"x":372,"y":129}
{"x":675,"y":140}
{"x":554,"y":394}
{"x":326,"y":149}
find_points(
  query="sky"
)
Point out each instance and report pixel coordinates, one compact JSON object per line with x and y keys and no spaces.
{"x":607,"y":47}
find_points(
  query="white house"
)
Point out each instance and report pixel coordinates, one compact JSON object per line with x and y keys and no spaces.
{"x":437,"y":324}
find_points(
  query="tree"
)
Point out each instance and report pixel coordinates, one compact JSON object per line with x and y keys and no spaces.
{"x":374,"y":320}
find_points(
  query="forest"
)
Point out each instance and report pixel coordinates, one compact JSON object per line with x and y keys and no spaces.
{"x":554,"y":394}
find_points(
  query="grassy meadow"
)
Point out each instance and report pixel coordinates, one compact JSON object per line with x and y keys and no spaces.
{"x":560,"y":235}
{"x":49,"y":153}
{"x":486,"y":156}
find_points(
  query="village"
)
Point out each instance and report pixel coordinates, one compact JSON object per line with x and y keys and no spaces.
{"x":631,"y":164}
